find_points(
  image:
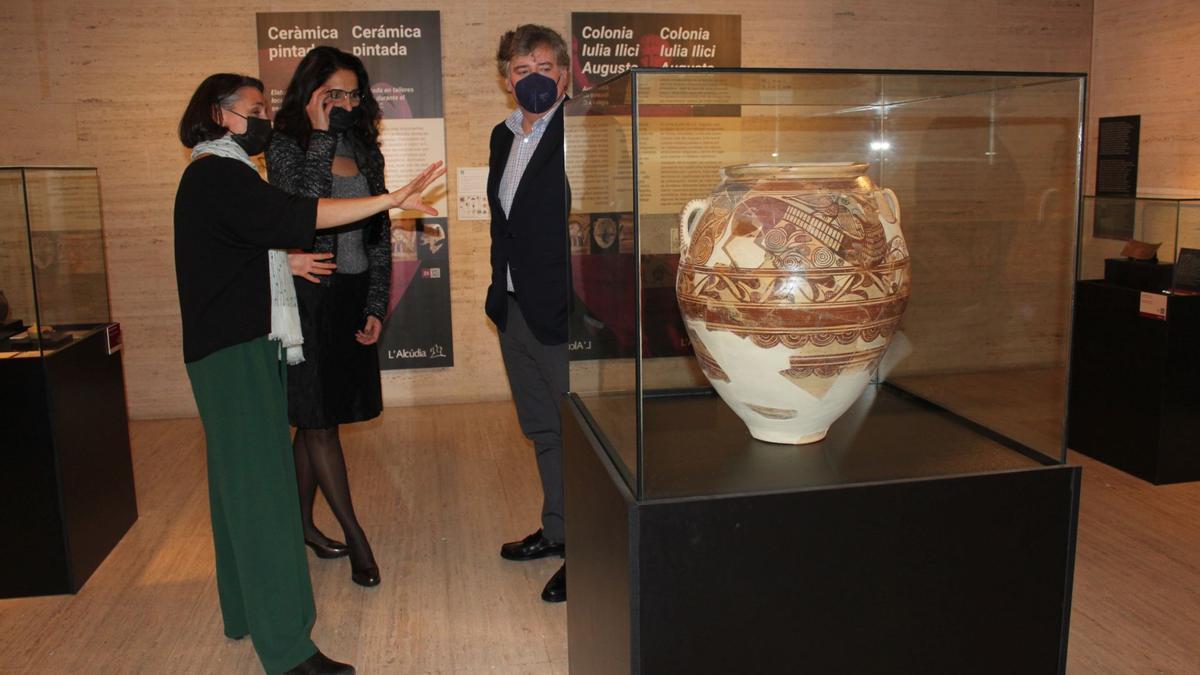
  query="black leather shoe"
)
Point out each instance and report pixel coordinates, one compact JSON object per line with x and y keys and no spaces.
{"x":319,"y":664}
{"x":556,"y":588}
{"x":334,"y":549}
{"x":367,"y":576}
{"x":532,"y":547}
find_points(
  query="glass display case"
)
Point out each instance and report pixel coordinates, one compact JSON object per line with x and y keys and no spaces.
{"x":1133,"y":400}
{"x":819,"y":345}
{"x":53,"y":286}
{"x":968,"y":188}
{"x":66,"y":490}
{"x":1137,"y":242}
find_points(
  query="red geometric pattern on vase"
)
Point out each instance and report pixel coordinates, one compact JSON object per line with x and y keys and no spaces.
{"x":789,"y":287}
{"x":851,"y":337}
{"x":712,"y":370}
{"x":867,"y":319}
{"x":832,"y":365}
{"x":711,"y":226}
{"x":773,"y":413}
{"x":805,"y":264}
{"x":818,"y":231}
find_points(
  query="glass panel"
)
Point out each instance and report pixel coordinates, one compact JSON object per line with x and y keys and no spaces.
{"x":17,"y":307}
{"x":983,"y":173}
{"x":602,"y":329}
{"x":1136,"y":241}
{"x":989,"y":183}
{"x":67,"y":246}
{"x":52,"y":266}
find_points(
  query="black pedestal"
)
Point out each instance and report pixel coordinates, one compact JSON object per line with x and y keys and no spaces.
{"x":825,"y":570}
{"x":66,"y":491}
{"x":1143,"y":275}
{"x":1135,"y":383}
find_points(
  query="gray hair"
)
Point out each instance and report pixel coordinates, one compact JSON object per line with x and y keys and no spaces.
{"x":524,"y":40}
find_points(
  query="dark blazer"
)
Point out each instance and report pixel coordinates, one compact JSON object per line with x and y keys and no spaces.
{"x":533,"y":238}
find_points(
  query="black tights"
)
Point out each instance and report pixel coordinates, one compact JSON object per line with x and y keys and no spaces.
{"x":319,"y":461}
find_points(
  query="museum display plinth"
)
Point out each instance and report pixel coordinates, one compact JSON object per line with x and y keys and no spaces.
{"x":66,"y":487}
{"x":67,"y":483}
{"x":908,"y":540}
{"x":1134,"y":400}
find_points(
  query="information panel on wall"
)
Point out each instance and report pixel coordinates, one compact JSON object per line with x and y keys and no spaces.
{"x":1116,"y":176}
{"x":402,"y":53}
{"x":605,"y":44}
{"x":685,"y":136}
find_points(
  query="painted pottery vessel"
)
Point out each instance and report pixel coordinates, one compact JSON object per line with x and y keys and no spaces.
{"x":792,"y":279}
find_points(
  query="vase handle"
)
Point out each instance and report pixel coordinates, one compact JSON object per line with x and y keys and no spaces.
{"x":688,"y":220}
{"x":886,"y":198}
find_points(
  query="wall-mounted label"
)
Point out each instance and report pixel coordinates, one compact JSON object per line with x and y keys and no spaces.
{"x":112,"y":336}
{"x":1153,"y":306}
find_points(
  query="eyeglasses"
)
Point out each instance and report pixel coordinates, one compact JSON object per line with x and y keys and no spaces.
{"x":355,"y":97}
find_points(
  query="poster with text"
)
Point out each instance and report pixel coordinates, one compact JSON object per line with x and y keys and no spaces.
{"x":606,"y":44}
{"x":402,"y":53}
{"x":688,"y":129}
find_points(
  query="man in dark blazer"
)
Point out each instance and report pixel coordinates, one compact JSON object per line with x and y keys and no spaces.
{"x":529,"y":296}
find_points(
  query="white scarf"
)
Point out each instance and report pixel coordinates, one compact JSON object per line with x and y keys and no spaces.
{"x":285,"y":313}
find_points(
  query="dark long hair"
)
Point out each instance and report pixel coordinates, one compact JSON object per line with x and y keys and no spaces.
{"x":314,"y":69}
{"x":199,"y":121}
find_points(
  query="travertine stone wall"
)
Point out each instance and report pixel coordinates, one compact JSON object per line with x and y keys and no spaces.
{"x":1144,"y":62}
{"x":102,"y":82}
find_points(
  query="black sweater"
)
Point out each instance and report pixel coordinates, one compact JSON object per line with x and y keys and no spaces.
{"x":226,"y":219}
{"x":309,"y":172}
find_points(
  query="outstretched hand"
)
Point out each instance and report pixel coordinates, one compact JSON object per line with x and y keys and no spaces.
{"x":410,"y":198}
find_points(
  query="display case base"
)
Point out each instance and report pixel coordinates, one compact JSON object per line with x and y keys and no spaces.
{"x":1143,"y":275}
{"x":1134,"y":399}
{"x":10,"y":328}
{"x":66,"y":491}
{"x":966,"y":573}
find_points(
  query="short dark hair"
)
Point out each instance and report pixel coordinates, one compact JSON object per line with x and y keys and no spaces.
{"x":199,"y":121}
{"x":527,"y":38}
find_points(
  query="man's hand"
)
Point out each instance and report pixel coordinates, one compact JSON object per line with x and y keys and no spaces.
{"x":308,"y":266}
{"x":369,"y":334}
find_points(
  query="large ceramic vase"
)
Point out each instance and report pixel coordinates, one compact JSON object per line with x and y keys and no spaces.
{"x":792,"y":280}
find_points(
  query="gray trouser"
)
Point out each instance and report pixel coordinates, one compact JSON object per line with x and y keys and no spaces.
{"x":537,"y":375}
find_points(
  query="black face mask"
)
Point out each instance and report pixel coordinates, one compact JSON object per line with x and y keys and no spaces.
{"x":340,"y":119}
{"x":258,"y":134}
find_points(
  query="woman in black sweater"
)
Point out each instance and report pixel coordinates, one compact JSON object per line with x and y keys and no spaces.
{"x":239,"y":331}
{"x":326,"y":144}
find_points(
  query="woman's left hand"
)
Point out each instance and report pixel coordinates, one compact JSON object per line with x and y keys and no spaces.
{"x":369,"y":334}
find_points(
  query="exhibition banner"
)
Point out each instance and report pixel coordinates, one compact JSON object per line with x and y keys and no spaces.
{"x":402,"y":53}
{"x":606,"y":44}
{"x":688,"y":128}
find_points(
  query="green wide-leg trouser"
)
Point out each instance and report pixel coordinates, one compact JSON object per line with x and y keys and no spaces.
{"x":262,"y":569}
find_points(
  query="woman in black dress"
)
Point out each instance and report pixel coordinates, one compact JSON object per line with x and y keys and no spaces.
{"x":327,"y":145}
{"x":240,"y":329}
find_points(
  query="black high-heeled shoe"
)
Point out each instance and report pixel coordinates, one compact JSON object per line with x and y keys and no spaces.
{"x":366,"y":576}
{"x":334,"y":549}
{"x":319,"y":664}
